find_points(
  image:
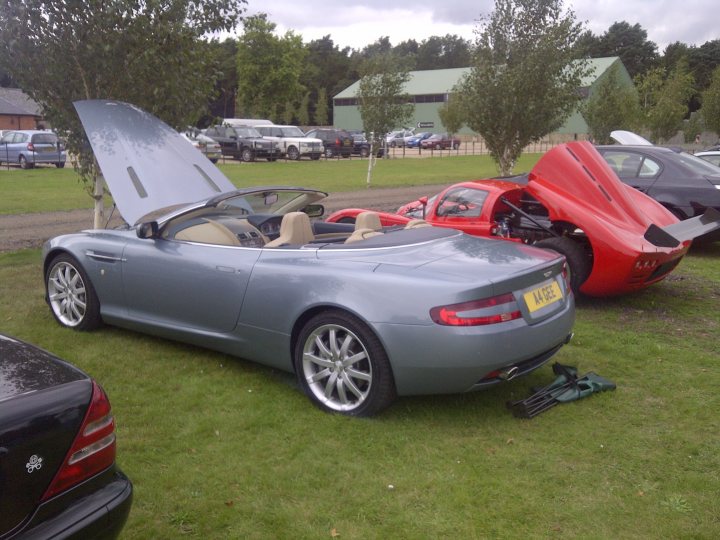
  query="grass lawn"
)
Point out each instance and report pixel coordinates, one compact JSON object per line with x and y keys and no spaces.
{"x":47,"y":189}
{"x":218,"y":447}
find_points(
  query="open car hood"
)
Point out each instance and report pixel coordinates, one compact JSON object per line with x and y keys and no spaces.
{"x":146,"y":164}
{"x":576,"y":171}
{"x":621,"y":136}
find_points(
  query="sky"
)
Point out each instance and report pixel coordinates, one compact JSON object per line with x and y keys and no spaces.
{"x":356,"y":23}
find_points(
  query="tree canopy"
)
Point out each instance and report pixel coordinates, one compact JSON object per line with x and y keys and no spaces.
{"x":711,"y":103}
{"x":611,"y":106}
{"x":269,"y":69}
{"x":523,"y":82}
{"x":664,"y":98}
{"x":148,"y":53}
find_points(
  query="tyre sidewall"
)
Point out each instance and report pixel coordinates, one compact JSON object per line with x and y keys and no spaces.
{"x":92,"y":318}
{"x":382,"y":389}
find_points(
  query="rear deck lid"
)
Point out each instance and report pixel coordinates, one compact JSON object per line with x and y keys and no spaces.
{"x":146,"y":164}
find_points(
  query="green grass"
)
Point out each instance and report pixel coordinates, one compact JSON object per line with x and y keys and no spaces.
{"x":218,"y":447}
{"x":47,"y":189}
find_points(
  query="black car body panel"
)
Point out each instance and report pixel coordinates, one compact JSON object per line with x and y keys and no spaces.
{"x":683,"y":183}
{"x":239,"y":140}
{"x":43,"y":402}
{"x":337,"y":142}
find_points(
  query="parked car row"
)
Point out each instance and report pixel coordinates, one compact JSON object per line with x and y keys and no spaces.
{"x":28,"y":148}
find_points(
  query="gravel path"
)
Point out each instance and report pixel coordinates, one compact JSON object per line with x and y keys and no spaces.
{"x":18,"y":231}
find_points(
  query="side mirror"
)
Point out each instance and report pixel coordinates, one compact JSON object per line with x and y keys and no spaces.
{"x":314,"y":210}
{"x":147,"y":230}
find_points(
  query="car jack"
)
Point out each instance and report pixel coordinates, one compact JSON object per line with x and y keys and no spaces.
{"x":566,"y":387}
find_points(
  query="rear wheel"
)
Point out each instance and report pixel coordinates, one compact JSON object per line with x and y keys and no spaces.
{"x":24,"y":163}
{"x":579,"y":264}
{"x":329,"y":153}
{"x":71,"y":296}
{"x":456,"y":146}
{"x":60,"y":164}
{"x":364,"y":152}
{"x":342,"y":366}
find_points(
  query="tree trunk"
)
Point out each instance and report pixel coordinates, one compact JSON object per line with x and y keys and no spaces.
{"x":99,"y":213}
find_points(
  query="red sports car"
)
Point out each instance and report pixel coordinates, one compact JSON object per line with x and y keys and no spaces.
{"x":616,"y":239}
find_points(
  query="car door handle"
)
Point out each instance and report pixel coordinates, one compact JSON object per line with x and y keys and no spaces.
{"x":228,"y":269}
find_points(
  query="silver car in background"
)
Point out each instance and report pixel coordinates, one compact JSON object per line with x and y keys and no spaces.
{"x":358,"y":313}
{"x":27,"y":148}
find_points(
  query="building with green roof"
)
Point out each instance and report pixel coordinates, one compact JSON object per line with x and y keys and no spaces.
{"x":429,"y":90}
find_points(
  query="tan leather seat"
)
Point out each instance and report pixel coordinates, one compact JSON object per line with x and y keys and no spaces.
{"x":415,"y":223}
{"x":295,"y":228}
{"x":210,"y":232}
{"x":362,"y":234}
{"x":368,"y":220}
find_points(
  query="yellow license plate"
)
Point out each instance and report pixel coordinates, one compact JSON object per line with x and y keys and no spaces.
{"x":543,"y":296}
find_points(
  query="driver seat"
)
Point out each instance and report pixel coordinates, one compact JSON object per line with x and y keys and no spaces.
{"x":295,"y":229}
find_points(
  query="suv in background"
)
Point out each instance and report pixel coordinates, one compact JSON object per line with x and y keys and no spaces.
{"x":292,"y":141}
{"x":243,"y":142}
{"x":29,"y":147}
{"x":336,"y":141}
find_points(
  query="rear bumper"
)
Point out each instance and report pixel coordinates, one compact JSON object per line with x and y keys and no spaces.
{"x":446,"y":360}
{"x":97,"y":508}
{"x":50,"y":157}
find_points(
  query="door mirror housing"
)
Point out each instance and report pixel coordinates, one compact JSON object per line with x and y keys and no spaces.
{"x":148,"y":229}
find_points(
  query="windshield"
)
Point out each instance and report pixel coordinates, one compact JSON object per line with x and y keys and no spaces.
{"x":272,"y":201}
{"x":291,"y":131}
{"x":47,"y":138}
{"x":247,"y":132}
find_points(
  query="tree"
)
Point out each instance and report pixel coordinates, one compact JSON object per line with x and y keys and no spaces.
{"x":452,"y":112}
{"x":321,"y":109}
{"x":449,"y":51}
{"x":268,"y":68}
{"x":382,"y":99}
{"x":711,"y":103}
{"x":664,"y":100}
{"x":523,"y":82}
{"x":150,"y":54}
{"x":303,"y":113}
{"x":611,"y":106}
{"x":631,"y":44}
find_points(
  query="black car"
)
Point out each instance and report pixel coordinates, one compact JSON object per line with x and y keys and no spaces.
{"x":684,"y":184}
{"x":58,"y":476}
{"x":337,"y":142}
{"x":243,"y":142}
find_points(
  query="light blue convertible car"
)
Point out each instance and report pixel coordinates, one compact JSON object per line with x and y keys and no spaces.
{"x":361,"y":314}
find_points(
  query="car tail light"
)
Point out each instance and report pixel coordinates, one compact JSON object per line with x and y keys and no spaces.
{"x":31,"y":147}
{"x":566,"y":276}
{"x":93,"y":449}
{"x":451,"y":315}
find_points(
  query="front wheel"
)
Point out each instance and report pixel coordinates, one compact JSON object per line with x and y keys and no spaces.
{"x":72,"y":298}
{"x":342,"y":366}
{"x":60,"y":164}
{"x":293,"y":154}
{"x":579,"y":264}
{"x":364,"y":152}
{"x":247,"y":155}
{"x":329,"y":153}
